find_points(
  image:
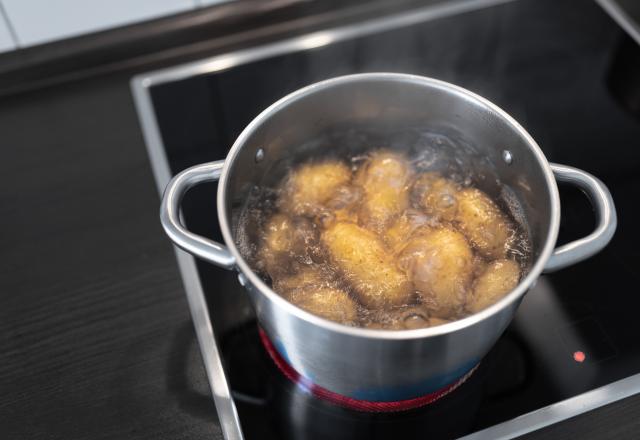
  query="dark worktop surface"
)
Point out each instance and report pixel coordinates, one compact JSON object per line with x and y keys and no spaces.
{"x":95,"y":335}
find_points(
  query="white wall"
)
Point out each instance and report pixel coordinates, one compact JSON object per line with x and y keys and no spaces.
{"x":6,"y":41}
{"x":41,"y":21}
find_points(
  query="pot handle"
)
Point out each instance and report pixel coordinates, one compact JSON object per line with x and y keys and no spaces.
{"x":197,"y":245}
{"x":601,"y":200}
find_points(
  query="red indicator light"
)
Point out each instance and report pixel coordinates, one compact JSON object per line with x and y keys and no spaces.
{"x":579,"y":356}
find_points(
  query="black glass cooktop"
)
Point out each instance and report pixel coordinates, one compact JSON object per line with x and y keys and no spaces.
{"x":552,"y":65}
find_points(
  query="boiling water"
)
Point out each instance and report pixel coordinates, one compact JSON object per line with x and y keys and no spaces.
{"x":364,"y":272}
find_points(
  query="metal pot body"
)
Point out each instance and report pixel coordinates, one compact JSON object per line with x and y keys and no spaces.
{"x":376,"y":110}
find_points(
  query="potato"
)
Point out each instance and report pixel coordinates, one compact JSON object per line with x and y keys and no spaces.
{"x":278,"y":234}
{"x":307,"y":277}
{"x":327,"y":302}
{"x":287,"y":241}
{"x":344,"y":197}
{"x":315,"y":289}
{"x":309,"y":186}
{"x":403,"y":227}
{"x":412,"y":318}
{"x":436,"y":195}
{"x":388,"y":246}
{"x":403,"y":318}
{"x":440,"y":265}
{"x":384,"y":178}
{"x":433,"y":321}
{"x":375,"y":325}
{"x":364,"y":262}
{"x":499,"y":278}
{"x":486,"y":227}
{"x":342,"y":205}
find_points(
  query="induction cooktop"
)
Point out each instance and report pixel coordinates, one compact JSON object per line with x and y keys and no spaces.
{"x":573,"y":344}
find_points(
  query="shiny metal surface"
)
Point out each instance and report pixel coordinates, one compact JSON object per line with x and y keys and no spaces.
{"x":602,"y":202}
{"x":227,"y":413}
{"x":170,"y":215}
{"x":622,"y":13}
{"x":560,"y":411}
{"x":376,"y":364}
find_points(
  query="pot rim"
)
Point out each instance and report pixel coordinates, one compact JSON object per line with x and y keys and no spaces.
{"x":451,"y":327}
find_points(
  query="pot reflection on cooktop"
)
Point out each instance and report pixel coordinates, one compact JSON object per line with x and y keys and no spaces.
{"x":575,"y":330}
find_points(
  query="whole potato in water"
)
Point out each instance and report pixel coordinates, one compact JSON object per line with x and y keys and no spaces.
{"x":307,"y":277}
{"x":342,"y":205}
{"x":309,"y":186}
{"x":287,"y":241}
{"x":404,"y":226}
{"x":440,"y":265}
{"x":344,"y":197}
{"x":488,"y":229}
{"x":384,"y":179}
{"x":365,"y":263}
{"x":328,"y":302}
{"x":498,"y":279}
{"x":436,"y":195}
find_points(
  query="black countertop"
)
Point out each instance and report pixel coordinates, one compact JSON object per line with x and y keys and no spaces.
{"x":95,"y":335}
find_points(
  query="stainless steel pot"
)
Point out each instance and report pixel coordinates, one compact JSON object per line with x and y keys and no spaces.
{"x":379,"y":365}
